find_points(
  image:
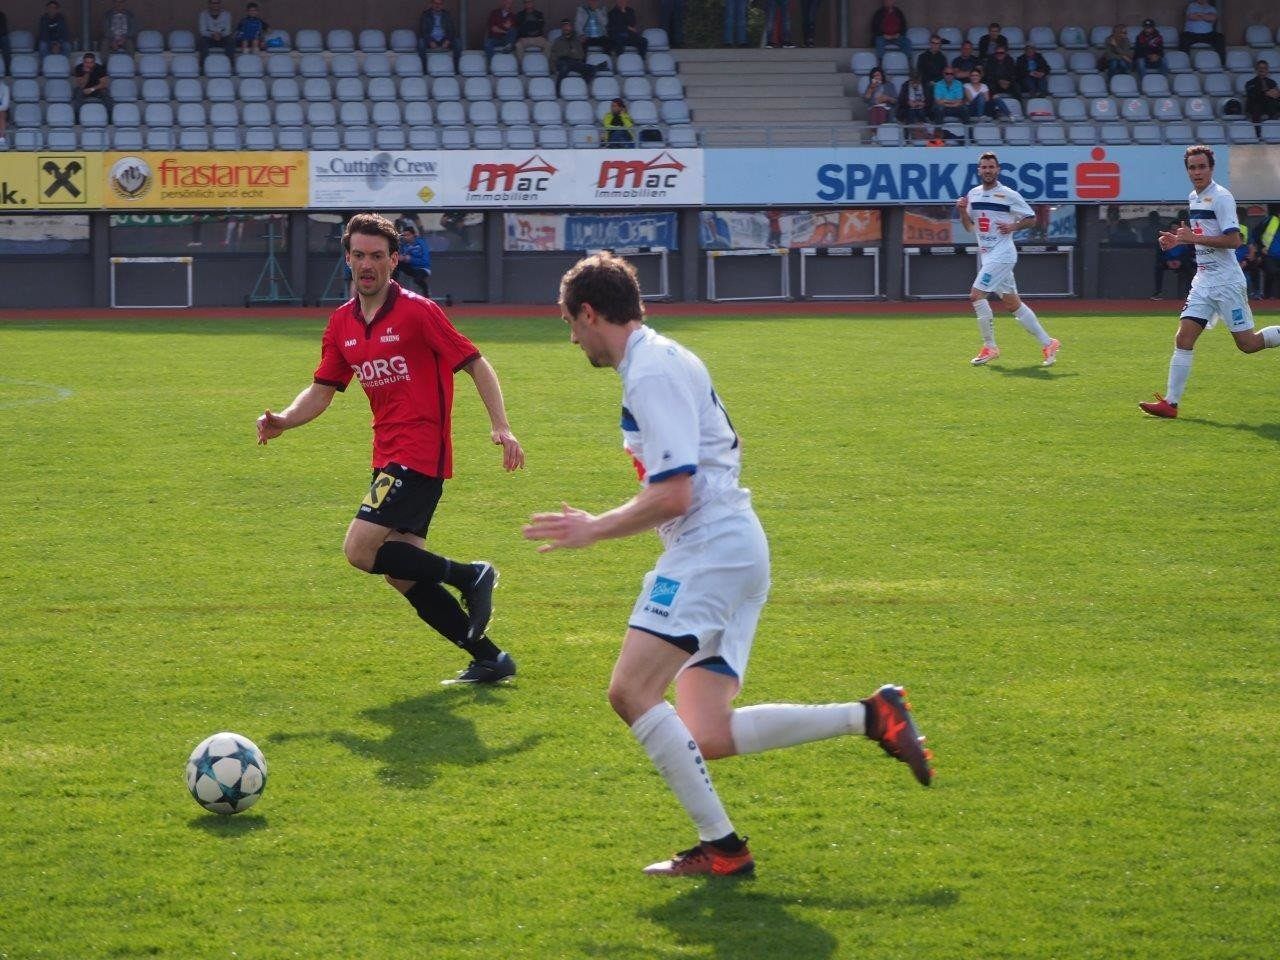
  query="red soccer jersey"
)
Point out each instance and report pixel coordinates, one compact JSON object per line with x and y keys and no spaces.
{"x":405,"y":359}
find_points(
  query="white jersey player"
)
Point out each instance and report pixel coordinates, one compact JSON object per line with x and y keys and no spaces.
{"x":1219,"y":289}
{"x":995,"y":212}
{"x":695,"y":619}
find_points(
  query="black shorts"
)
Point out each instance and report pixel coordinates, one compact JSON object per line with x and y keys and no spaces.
{"x":402,"y":499}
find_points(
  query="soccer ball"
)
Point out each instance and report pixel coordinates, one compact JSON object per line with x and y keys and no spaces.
{"x":226,"y":773}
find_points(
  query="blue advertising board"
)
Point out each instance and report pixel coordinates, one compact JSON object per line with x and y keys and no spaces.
{"x":896,"y":175}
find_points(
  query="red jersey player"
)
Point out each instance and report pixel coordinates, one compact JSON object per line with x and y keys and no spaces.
{"x":405,"y":352}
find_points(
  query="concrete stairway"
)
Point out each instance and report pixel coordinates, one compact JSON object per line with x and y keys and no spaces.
{"x":750,"y":95}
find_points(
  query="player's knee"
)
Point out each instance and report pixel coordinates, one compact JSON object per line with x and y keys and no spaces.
{"x":625,"y":700}
{"x":1250,"y":344}
{"x":715,"y":744}
{"x":358,"y":556}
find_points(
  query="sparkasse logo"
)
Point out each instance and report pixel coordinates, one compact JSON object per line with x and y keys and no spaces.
{"x":1097,"y":180}
{"x":510,"y":181}
{"x":622,"y":179}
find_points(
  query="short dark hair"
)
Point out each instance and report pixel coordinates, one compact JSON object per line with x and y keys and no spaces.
{"x":989,"y":156}
{"x":371,"y":225}
{"x":1199,"y":148}
{"x":608,"y":283}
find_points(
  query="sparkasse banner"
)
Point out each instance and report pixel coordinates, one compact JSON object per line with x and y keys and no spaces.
{"x":893,"y":175}
{"x":197,"y":180}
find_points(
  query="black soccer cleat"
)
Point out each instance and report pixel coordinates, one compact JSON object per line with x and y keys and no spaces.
{"x":485,"y":671}
{"x":890,"y":724}
{"x":478,"y":598}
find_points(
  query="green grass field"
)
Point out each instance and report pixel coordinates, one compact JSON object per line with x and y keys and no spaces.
{"x":1082,"y":601}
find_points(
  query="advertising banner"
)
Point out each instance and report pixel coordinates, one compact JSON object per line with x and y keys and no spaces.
{"x":50,"y":181}
{"x":894,"y":175}
{"x":193,"y":180}
{"x":762,"y":229}
{"x":374,"y":180}
{"x":941,"y":226}
{"x":533,"y":232}
{"x":572,"y":231}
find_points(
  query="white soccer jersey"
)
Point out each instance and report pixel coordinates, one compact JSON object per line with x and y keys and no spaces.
{"x":673,"y":422}
{"x":1212,"y":214}
{"x":990,"y":208}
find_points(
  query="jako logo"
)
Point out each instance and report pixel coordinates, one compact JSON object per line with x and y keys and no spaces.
{"x":623,"y":174}
{"x":372,"y":370}
{"x":508,"y":177}
{"x":1098,"y":180}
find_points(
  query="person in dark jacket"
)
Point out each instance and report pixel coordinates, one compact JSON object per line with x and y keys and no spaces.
{"x":1033,"y":72}
{"x":889,"y":29}
{"x":932,"y":62}
{"x":415,"y":259}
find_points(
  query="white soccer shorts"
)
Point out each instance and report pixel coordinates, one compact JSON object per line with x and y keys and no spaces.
{"x":1209,"y":301}
{"x":710,"y":584}
{"x":996,"y":278}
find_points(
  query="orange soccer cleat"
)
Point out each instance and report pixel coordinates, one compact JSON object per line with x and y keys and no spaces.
{"x":705,"y":858}
{"x":889,"y":723}
{"x":985,"y":355}
{"x":1160,"y":407}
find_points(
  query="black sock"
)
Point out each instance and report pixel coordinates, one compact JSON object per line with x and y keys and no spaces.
{"x":404,"y":561}
{"x":440,"y":610}
{"x":730,"y":843}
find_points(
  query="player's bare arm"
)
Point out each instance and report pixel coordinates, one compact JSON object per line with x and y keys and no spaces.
{"x":962,"y":204}
{"x":654,"y":505}
{"x":306,"y":406}
{"x":1226,"y":241}
{"x":490,"y":391}
{"x":1024,"y":224}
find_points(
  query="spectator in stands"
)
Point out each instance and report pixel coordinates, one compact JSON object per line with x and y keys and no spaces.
{"x":1033,"y":72}
{"x":1179,"y":260}
{"x":672,"y":13}
{"x":624,"y":28}
{"x":53,"y":33}
{"x":880,"y":96}
{"x":1001,"y":74}
{"x":1150,"y":232}
{"x":618,"y":126}
{"x":89,"y":83}
{"x":251,"y":31}
{"x":569,"y":55}
{"x":1120,"y":233}
{"x":215,"y":30}
{"x":592,"y":26}
{"x":1201,"y":26}
{"x":915,"y":104}
{"x":119,"y":29}
{"x":1266,"y":236}
{"x":415,"y":259}
{"x":966,"y":60}
{"x":1261,"y":96}
{"x":988,"y":42}
{"x":436,"y":30}
{"x":735,"y":23}
{"x":1249,"y":256}
{"x":948,"y":98}
{"x":531,"y":30}
{"x":809,"y":20}
{"x":4,"y":112}
{"x":889,"y":29}
{"x":6,"y":50}
{"x":932,"y":62}
{"x":1148,"y":50}
{"x":1117,"y":53}
{"x":777,"y":24}
{"x":500,"y":34}
{"x":978,"y":100}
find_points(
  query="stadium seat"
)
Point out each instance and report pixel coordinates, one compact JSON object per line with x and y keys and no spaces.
{"x":573,"y":88}
{"x":26,"y":115}
{"x":1084,"y":134}
{"x":151,"y":65}
{"x":553,"y":138}
{"x":629,"y":65}
{"x":482,"y":113}
{"x":1218,"y":85}
{"x":1135,"y":109}
{"x":253,"y":90}
{"x":1167,"y":109}
{"x":407,"y":65}
{"x":1072,"y":110}
{"x":455,"y":138}
{"x":951,"y":37}
{"x":119,"y":65}
{"x":1185,"y":85}
{"x":504,"y":65}
{"x":1061,"y":85}
{"x":94,"y":115}
{"x":1197,"y":108}
{"x":377,"y":65}
{"x":404,"y":41}
{"x":285,"y":90}
{"x":216,"y":65}
{"x":1126,"y":84}
{"x":1205,"y":61}
{"x":382,"y":89}
{"x":59,"y":115}
{"x":183,"y":66}
{"x":228,"y":114}
{"x":1147,"y":133}
{"x":547,"y":113}
{"x":1092,"y":85}
{"x":600,"y":60}
{"x":889,"y":135}
{"x":26,"y":90}
{"x":321,"y":115}
{"x":535,"y":64}
{"x":1042,"y":37}
{"x":187,"y":90}
{"x":637,"y":88}
{"x":279,"y":41}
{"x":340,"y":41}
{"x":1242,"y":133}
{"x":263,"y":138}
{"x":667,"y":88}
{"x":57,"y":90}
{"x":1230,"y":109}
{"x":472,"y":63}
{"x":445,"y":89}
{"x":674,"y":111}
{"x":659,"y":43}
{"x":344,"y":65}
{"x":862,"y":63}
{"x":357,"y":138}
{"x":542,"y":88}
{"x":249,"y":65}
{"x":1272,"y":57}
{"x":985,"y":134}
{"x":1040,"y":109}
{"x":1271,"y":131}
{"x":418,"y":114}
{"x":28,"y":138}
{"x":256,"y":115}
{"x":156,"y":91}
{"x":61,"y":138}
{"x":1176,"y":60}
{"x":1098,"y":35}
{"x":1073,"y":38}
{"x":352,"y":114}
{"x":440,"y":64}
{"x":1211,"y":132}
{"x":313,"y":65}
{"x":487,"y":138}
{"x":126,"y":139}
{"x":424,"y":138}
{"x":1258,"y":36}
{"x":1082,"y":62}
{"x":285,"y":115}
{"x":477,"y":88}
{"x":1103,"y":108}
{"x":508,"y":89}
{"x":385,"y":114}
{"x":520,"y":138}
{"x":1154,"y":85}
{"x":1114,"y":134}
{"x":1240,"y":60}
{"x":578,"y":113}
{"x":24,"y":66}
{"x":514,"y":113}
{"x":148,"y":41}
{"x":662,"y":65}
{"x":348,"y":90}
{"x":451,"y":113}
{"x":161,"y":138}
{"x":124,"y":91}
{"x":389,"y":138}
{"x":220,"y":90}
{"x":324,"y":138}
{"x":93,"y":138}
{"x":584,"y":137}
{"x":225,"y":138}
{"x":895,"y":61}
{"x":1018,"y":135}
{"x":413,"y":88}
{"x":372,"y":41}
{"x":317,"y":90}
{"x":1051,"y":134}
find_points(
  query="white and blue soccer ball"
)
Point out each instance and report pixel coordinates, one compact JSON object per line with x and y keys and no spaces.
{"x":226,"y":773}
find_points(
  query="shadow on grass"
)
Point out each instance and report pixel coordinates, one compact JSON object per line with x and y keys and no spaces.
{"x":426,"y":733}
{"x":1035,"y":372}
{"x":218,"y":825}
{"x":726,"y":919}
{"x":1266,"y":431}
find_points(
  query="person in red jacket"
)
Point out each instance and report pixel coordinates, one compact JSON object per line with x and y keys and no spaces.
{"x":405,"y":352}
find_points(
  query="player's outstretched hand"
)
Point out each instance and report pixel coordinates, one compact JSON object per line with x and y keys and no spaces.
{"x":1185,"y":234}
{"x":1168,"y":240}
{"x":270,"y":426}
{"x":512,"y":452}
{"x":962,"y":203}
{"x":570,"y":527}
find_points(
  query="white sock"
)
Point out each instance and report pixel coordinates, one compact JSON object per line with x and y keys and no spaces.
{"x":986,"y":322}
{"x":672,"y":749}
{"x":1026,"y":316}
{"x":769,"y":726}
{"x":1179,"y":370}
{"x":1270,"y":336}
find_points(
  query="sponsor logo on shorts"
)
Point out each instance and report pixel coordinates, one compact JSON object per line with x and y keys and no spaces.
{"x":986,"y":278}
{"x":664,"y":591}
{"x":1237,"y":314}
